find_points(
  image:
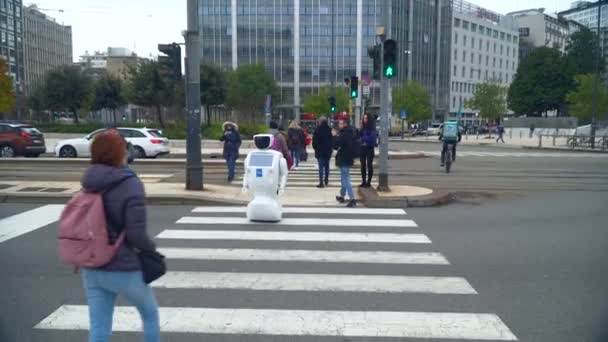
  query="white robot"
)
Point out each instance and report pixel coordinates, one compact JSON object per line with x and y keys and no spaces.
{"x":266,"y":175}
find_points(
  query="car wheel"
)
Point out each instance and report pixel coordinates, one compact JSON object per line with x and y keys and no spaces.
{"x":7,"y":151}
{"x":67,"y":152}
{"x":139,"y":153}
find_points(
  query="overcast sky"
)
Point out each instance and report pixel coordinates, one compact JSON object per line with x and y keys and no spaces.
{"x":140,"y":25}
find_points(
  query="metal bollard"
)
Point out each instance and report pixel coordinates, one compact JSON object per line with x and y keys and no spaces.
{"x":540,"y":141}
{"x":554,"y":139}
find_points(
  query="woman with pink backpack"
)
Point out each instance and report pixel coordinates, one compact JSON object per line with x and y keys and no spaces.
{"x":103,"y":232}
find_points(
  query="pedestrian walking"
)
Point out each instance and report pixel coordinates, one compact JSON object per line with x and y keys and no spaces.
{"x":345,"y":143}
{"x":279,"y":143}
{"x":125,"y":211}
{"x":500,"y":130}
{"x":232,"y":143}
{"x":369,"y":138}
{"x":323,"y":145}
{"x":296,"y":142}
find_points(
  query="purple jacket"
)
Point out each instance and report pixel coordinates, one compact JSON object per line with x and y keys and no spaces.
{"x":125,"y":209}
{"x":369,"y":137}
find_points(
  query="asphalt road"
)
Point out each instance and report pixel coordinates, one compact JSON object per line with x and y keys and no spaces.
{"x":535,"y":262}
{"x":477,"y":169}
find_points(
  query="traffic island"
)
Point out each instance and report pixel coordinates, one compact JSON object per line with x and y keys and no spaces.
{"x":404,"y":196}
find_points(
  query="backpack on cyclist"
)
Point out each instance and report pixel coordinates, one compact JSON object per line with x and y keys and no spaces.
{"x":83,"y":232}
{"x":450,"y":131}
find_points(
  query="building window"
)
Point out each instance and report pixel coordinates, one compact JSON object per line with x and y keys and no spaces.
{"x":454,"y":102}
{"x":479,"y":74}
{"x":494,"y":47}
{"x":472,"y":58}
{"x":500,"y":63}
{"x":480,"y":44}
{"x":481,"y":29}
{"x":464,"y":56}
{"x":456,"y":38}
{"x":508,"y":51}
{"x":463,"y":71}
{"x":508,"y":38}
{"x":471,"y":74}
{"x":456,"y":22}
{"x":473,"y":27}
{"x":454,"y":70}
{"x":494,"y":62}
{"x":501,"y":50}
{"x":465,"y":25}
{"x":487,"y":60}
{"x":486,"y":75}
{"x":495,"y":34}
{"x":464,"y":41}
{"x":489,"y":32}
{"x":502,"y":36}
{"x":455,"y":54}
{"x":479,"y":62}
{"x":487,"y":46}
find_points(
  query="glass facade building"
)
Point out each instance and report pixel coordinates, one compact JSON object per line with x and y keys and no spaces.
{"x":11,"y":39}
{"x":237,"y":32}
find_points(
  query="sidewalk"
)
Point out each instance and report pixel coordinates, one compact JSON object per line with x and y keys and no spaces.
{"x":175,"y":194}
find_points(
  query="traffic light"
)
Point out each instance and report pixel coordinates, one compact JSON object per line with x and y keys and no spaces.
{"x":172,"y":62}
{"x":354,"y":87}
{"x":374,"y":53}
{"x":390,"y":58}
{"x":332,"y":104}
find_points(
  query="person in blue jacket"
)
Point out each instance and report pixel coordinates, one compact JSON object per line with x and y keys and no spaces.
{"x":232,"y":143}
{"x":369,"y":139}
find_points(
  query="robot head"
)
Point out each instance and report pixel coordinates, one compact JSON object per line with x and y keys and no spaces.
{"x":263,"y":141}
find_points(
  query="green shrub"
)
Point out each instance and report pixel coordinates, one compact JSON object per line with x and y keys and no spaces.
{"x":213,"y":132}
{"x":249,"y":130}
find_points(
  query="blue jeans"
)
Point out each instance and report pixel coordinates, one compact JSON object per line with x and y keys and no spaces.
{"x":323,"y":169}
{"x":101,"y":289}
{"x":295,"y":155}
{"x":346,"y":186}
{"x":231,"y":162}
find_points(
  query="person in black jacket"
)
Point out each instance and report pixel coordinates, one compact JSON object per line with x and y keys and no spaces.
{"x":323,"y":145}
{"x":232,"y":143}
{"x":345,"y":144}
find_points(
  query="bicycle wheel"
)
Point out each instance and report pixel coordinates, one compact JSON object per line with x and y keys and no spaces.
{"x":448,"y":161}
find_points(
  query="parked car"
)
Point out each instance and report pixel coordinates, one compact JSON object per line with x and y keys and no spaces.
{"x":146,"y":143}
{"x":434,"y":129}
{"x":20,"y":140}
{"x":418,"y":132}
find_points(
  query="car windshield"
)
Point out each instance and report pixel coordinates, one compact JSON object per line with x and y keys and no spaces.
{"x":155,"y":133}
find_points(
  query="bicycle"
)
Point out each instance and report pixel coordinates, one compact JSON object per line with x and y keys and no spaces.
{"x":449,"y":158}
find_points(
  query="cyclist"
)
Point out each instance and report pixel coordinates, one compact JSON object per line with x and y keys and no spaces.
{"x":449,"y":134}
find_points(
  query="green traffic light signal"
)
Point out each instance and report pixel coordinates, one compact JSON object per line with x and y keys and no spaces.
{"x":353,"y":94}
{"x":333,"y":109}
{"x":389,"y":71}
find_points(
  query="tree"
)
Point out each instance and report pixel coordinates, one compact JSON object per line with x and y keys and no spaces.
{"x":213,"y":88}
{"x":581,"y":52}
{"x":319,"y":104}
{"x":7,"y":94}
{"x":415,"y":99}
{"x":149,"y":87}
{"x":247,"y":87}
{"x":108,"y":94}
{"x":67,"y":88}
{"x":489,"y":100}
{"x":581,"y":98}
{"x":541,"y":83}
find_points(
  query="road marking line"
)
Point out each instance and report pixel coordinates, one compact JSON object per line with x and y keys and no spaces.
{"x":314,"y":282}
{"x":300,"y":222}
{"x":23,"y":223}
{"x":155,"y":175}
{"x":430,"y":325}
{"x":372,"y":257}
{"x":292,"y":236}
{"x":306,"y":210}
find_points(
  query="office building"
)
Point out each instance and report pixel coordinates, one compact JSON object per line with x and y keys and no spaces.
{"x":116,"y":61}
{"x":48,"y":45}
{"x":293,"y":39}
{"x":537,"y":28}
{"x":484,"y":48}
{"x":11,"y":41}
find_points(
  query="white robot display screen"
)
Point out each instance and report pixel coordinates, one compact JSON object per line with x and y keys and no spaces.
{"x":260,"y":160}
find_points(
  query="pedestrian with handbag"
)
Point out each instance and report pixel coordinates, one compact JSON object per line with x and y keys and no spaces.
{"x":126,"y":259}
{"x":296,"y":141}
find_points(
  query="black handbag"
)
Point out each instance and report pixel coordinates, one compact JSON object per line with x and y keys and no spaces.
{"x":153,"y":265}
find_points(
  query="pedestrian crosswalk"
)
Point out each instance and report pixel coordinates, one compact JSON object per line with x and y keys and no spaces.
{"x":495,"y":154}
{"x":356,"y":254}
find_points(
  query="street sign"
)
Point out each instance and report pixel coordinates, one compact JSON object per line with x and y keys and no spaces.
{"x":366,"y":91}
{"x":403,"y":115}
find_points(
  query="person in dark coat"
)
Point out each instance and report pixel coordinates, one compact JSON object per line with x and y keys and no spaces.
{"x":369,"y":138}
{"x":232,"y":143}
{"x":296,"y":140}
{"x":124,"y":204}
{"x":322,"y":143}
{"x":344,"y":143}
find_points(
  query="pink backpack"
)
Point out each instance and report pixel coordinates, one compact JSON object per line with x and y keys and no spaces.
{"x":83,"y":232}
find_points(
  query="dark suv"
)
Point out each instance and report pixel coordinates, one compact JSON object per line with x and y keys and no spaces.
{"x":20,"y":140}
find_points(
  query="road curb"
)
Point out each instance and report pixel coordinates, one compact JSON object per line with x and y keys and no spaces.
{"x":563,"y":149}
{"x":371,"y":199}
{"x":163,"y":199}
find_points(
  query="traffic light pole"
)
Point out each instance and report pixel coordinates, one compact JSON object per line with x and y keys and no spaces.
{"x":194,"y":165}
{"x":384,"y":117}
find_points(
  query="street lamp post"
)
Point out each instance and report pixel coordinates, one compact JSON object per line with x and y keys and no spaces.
{"x":597,"y":75}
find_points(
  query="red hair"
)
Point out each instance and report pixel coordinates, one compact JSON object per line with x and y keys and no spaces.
{"x":108,"y":148}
